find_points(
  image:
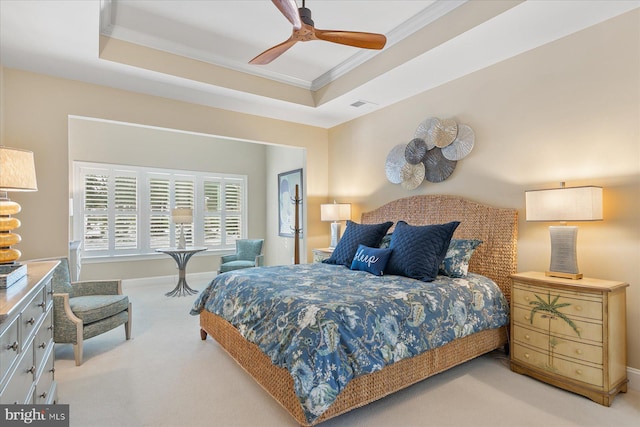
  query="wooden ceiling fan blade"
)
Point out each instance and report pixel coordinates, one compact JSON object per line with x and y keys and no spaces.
{"x":352,"y":38}
{"x":272,"y":53}
{"x":289,"y":9}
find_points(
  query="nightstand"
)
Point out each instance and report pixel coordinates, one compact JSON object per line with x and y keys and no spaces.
{"x":570,"y":333}
{"x":320,"y":254}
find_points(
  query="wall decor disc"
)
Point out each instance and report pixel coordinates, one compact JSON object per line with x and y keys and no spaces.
{"x":415,"y":151}
{"x":462,"y":145}
{"x":444,"y":132}
{"x":437,"y":167}
{"x":412,"y":175}
{"x":394,"y":163}
{"x":422,"y":131}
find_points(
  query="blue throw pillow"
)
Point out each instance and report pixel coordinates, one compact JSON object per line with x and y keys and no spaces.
{"x":355,"y":235}
{"x":373,"y":260}
{"x":419,"y":250}
{"x":456,"y":261}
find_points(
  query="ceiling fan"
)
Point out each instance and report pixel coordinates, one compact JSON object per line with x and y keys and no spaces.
{"x":304,"y":31}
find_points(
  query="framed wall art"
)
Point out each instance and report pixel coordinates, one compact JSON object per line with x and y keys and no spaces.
{"x":287,"y":182}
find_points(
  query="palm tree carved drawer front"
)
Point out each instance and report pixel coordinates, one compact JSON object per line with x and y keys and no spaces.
{"x":564,"y":337}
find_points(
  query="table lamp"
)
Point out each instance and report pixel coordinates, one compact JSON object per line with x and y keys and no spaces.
{"x":335,"y":212}
{"x":564,"y":204}
{"x":17,"y":173}
{"x":182,"y":216}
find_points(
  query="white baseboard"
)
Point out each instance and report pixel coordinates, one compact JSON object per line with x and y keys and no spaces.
{"x":634,"y":378}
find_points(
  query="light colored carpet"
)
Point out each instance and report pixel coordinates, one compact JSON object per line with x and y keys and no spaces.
{"x":166,"y":376}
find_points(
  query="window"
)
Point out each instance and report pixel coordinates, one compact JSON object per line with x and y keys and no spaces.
{"x":126,"y":210}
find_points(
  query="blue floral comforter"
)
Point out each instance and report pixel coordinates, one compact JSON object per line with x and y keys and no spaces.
{"x":327,"y":324}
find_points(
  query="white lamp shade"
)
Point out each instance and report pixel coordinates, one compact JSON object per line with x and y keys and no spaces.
{"x":17,"y":170}
{"x":335,"y":212}
{"x":564,"y":204}
{"x":182,"y":215}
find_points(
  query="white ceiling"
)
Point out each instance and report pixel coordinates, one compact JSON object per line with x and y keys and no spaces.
{"x":424,"y":49}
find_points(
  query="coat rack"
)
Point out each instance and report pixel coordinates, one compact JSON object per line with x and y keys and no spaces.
{"x":296,"y":231}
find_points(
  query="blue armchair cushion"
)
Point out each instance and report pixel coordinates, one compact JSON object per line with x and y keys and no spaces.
{"x":236,"y":265}
{"x":97,"y":307}
{"x":357,"y":234}
{"x":419,"y":250}
{"x":61,"y":280}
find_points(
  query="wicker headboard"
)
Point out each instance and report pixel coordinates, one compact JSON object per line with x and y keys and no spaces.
{"x":495,"y":258}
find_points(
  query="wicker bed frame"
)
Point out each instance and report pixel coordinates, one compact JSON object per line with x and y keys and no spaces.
{"x":495,"y":258}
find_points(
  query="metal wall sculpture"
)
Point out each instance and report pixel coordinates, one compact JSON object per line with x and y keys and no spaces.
{"x":431,"y":155}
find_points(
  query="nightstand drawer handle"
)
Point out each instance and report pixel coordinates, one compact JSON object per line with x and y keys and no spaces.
{"x":43,"y":345}
{"x":578,"y":351}
{"x":527,"y":337}
{"x":31,"y":321}
{"x":31,"y":370}
{"x":579,"y":371}
{"x":44,"y":395}
{"x":13,"y":346}
{"x":578,"y":308}
{"x":527,"y":355}
{"x":527,"y":317}
{"x":526,"y":298}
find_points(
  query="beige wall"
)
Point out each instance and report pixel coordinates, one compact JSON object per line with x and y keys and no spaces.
{"x":35,"y":111}
{"x":569,"y":111}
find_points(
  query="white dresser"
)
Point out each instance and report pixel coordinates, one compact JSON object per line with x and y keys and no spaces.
{"x":26,"y":338}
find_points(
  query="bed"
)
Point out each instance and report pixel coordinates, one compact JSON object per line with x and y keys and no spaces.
{"x":495,"y":259}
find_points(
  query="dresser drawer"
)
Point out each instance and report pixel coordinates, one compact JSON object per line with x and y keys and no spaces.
{"x":43,"y":393}
{"x":44,"y":338}
{"x":573,"y":370}
{"x":9,"y":348}
{"x":574,"y":349}
{"x":19,"y":388}
{"x":579,"y":304}
{"x":558,"y":326}
{"x":32,"y":314}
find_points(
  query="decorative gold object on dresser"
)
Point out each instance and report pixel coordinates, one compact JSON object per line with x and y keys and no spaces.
{"x":26,"y":339}
{"x":570,"y":333}
{"x":320,"y":254}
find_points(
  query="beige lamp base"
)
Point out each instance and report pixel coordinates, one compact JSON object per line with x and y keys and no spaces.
{"x":564,"y":261}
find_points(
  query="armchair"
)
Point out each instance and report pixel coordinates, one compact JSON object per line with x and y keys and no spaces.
{"x":248,"y":254}
{"x":82,"y":310}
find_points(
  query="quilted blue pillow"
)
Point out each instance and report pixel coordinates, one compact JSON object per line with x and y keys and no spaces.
{"x":355,"y":235}
{"x":419,"y":250}
{"x":373,"y":260}
{"x":456,"y":261}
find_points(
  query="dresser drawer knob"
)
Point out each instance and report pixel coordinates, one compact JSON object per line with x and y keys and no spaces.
{"x":527,"y":355}
{"x":31,"y":321}
{"x":42,"y":304}
{"x":43,"y":345}
{"x":43,"y":395}
{"x":526,"y":298}
{"x":527,"y":317}
{"x":52,"y":370}
{"x":578,"y":308}
{"x":579,"y":330}
{"x":527,"y":337}
{"x":579,"y":371}
{"x":578,"y":351}
{"x":13,"y":346}
{"x":32,"y":370}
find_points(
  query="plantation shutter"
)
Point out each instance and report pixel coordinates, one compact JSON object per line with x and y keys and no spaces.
{"x":233,"y":201}
{"x":96,"y":214}
{"x":159,"y":217}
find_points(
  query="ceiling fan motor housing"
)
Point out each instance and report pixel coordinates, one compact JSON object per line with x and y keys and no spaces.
{"x":305,"y":15}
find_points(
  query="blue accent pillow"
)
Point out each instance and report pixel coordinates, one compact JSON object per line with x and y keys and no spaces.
{"x":456,"y":261}
{"x":419,"y":250}
{"x":372,"y":260}
{"x":355,"y":235}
